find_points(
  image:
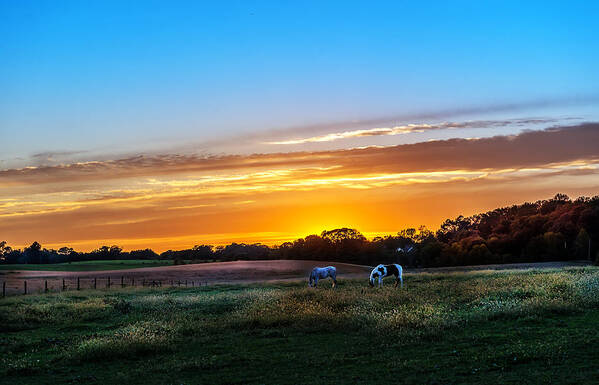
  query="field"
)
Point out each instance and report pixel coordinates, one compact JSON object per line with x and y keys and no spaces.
{"x":89,"y":265}
{"x":201,"y":273}
{"x":526,"y":326}
{"x":136,"y":272}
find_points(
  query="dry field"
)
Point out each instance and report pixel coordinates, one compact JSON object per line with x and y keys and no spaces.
{"x":216,"y":273}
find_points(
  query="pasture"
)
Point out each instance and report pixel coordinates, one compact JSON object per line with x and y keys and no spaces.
{"x":90,"y":265}
{"x":199,"y":274}
{"x":530,"y":326}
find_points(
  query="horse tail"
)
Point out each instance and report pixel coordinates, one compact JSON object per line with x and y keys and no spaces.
{"x":400,"y":274}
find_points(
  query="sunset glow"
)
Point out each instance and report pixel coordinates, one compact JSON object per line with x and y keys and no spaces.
{"x":173,"y":202}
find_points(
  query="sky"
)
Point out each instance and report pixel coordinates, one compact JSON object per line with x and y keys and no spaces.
{"x":170,"y":124}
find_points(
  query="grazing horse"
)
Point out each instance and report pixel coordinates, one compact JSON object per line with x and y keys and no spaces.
{"x":382,"y":271}
{"x":322,"y":273}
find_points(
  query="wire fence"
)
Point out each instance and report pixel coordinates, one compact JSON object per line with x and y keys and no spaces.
{"x":39,"y":286}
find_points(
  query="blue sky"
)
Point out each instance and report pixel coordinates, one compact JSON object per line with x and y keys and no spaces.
{"x":124,"y":77}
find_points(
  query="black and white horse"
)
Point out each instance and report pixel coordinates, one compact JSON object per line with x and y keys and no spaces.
{"x":382,"y":271}
{"x":322,"y":273}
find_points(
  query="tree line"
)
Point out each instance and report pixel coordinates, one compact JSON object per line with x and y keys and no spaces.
{"x":547,"y":230}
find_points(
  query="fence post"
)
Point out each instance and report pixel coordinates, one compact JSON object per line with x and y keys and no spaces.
{"x":3,"y":289}
{"x":133,"y":282}
{"x":25,"y":287}
{"x":63,"y":285}
{"x":122,"y":281}
{"x":78,"y":285}
{"x":143,"y":283}
{"x":45,"y":286}
{"x":95,"y":282}
{"x":192,"y":284}
{"x":185,"y":283}
{"x":160,"y":282}
{"x":108,"y":283}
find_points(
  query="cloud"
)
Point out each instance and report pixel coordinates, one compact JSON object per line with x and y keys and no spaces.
{"x":201,"y":183}
{"x":52,"y":156}
{"x":245,"y":143}
{"x":400,"y":119}
{"x":177,"y":201}
{"x":410,"y":128}
{"x":182,"y":183}
{"x":528,"y":149}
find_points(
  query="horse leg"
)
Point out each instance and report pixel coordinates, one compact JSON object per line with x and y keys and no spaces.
{"x":333,"y":276}
{"x":315,"y":281}
{"x":380,"y":281}
{"x":396,"y":282}
{"x":400,"y":276}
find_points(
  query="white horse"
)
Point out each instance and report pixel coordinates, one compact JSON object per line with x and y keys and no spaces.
{"x":382,"y":271}
{"x":322,"y":273}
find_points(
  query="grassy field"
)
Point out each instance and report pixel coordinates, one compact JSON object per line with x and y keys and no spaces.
{"x":89,"y":265}
{"x":502,"y":327}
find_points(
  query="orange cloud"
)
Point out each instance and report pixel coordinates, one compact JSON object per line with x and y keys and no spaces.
{"x":177,"y":201}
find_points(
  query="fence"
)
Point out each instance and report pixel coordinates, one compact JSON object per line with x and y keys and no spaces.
{"x":39,"y":286}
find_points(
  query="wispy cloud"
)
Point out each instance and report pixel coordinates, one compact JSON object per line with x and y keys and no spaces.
{"x":400,"y":119}
{"x":141,"y":197}
{"x":527,"y":149}
{"x":410,"y":128}
{"x":54,"y":156}
{"x":174,"y":195}
{"x":325,"y":132}
{"x":175,"y":179}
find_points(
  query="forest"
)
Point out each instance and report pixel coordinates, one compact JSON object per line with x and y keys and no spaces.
{"x":546,"y":230}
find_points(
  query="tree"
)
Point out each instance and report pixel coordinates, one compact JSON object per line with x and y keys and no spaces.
{"x":65,"y":250}
{"x":33,"y":253}
{"x":407,"y":233}
{"x":5,"y":250}
{"x":203,"y":252}
{"x":451,"y":230}
{"x":561,"y":197}
{"x":339,"y":235}
{"x":316,"y":247}
{"x":115,"y":250}
{"x":582,"y":245}
{"x":103,"y":250}
{"x":35,"y":247}
{"x":143,"y":254}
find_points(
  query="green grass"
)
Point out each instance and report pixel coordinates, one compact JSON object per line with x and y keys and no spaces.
{"x":89,"y":265}
{"x":476,"y":328}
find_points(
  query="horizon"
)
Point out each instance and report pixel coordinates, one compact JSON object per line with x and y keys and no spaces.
{"x":275,"y":244}
{"x":161,"y":126}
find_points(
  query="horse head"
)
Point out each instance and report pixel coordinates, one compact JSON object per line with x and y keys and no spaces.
{"x":373,"y":275}
{"x":378,"y":271}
